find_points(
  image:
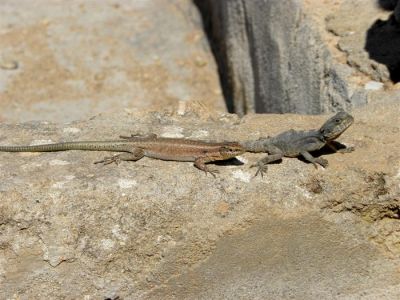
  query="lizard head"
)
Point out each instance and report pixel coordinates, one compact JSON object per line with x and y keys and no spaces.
{"x":336,"y":125}
{"x":231,"y":150}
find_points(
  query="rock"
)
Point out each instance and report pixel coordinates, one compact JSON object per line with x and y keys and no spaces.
{"x":82,"y":58}
{"x":373,"y":85}
{"x":155,"y":229}
{"x":356,"y":37}
{"x":283,"y":56}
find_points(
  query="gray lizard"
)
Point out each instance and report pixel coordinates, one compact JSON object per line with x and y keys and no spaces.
{"x":294,"y":143}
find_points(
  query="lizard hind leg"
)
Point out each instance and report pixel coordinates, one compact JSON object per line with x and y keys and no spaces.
{"x":139,"y":136}
{"x":200,"y":163}
{"x":262,"y":164}
{"x":125,"y":156}
{"x":275,"y":154}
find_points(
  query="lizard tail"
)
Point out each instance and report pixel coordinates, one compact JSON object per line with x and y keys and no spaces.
{"x":88,"y":145}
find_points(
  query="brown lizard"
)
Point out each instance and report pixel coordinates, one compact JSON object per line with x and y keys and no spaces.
{"x":136,"y":146}
{"x":294,"y":143}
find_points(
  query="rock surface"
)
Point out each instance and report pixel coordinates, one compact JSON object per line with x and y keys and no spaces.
{"x":164,"y":230}
{"x":305,"y":56}
{"x":155,"y":229}
{"x":68,"y":60}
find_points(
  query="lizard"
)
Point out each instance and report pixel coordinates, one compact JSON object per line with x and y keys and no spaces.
{"x":135,"y":147}
{"x":293,"y":143}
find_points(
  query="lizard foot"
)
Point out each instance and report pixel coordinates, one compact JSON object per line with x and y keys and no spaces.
{"x":212,"y":172}
{"x":138,"y":136}
{"x":262,"y":169}
{"x":109,"y":160}
{"x":322,"y":161}
{"x":346,"y":150}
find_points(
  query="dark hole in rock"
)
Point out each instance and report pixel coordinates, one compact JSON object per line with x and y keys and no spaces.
{"x":383,"y":40}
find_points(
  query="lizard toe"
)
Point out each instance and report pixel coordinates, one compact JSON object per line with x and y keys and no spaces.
{"x":213,"y":172}
{"x":323,"y":162}
{"x":109,"y":160}
{"x":262,"y":169}
{"x":346,"y":150}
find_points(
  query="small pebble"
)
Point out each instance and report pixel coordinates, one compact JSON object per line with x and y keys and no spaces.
{"x":8,"y":64}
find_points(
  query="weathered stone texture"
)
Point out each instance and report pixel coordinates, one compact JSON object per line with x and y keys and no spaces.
{"x":79,"y":58}
{"x":277,"y":56}
{"x":153,"y":229}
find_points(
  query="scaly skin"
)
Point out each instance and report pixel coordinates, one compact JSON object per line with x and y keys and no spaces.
{"x":137,"y":146}
{"x":294,"y":143}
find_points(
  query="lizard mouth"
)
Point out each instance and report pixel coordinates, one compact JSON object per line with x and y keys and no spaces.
{"x":231,"y":151}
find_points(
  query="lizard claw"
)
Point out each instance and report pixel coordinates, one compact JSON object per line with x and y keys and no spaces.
{"x":212,"y":172}
{"x":109,"y":160}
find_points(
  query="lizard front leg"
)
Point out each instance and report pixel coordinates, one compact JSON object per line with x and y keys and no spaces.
{"x":314,"y":160}
{"x":274,"y":154}
{"x":134,"y":155}
{"x":200,"y":163}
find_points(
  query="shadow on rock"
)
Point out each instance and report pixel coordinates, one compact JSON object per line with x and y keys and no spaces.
{"x":383,"y":45}
{"x":391,"y":5}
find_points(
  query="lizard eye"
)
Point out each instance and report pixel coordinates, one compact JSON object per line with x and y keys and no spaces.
{"x":337,"y":121}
